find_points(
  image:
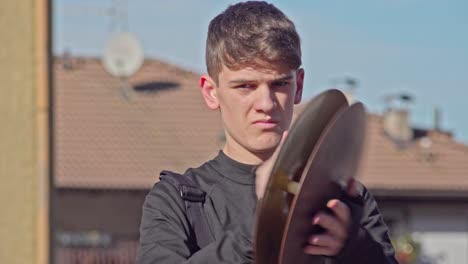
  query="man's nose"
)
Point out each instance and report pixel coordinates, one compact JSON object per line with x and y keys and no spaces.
{"x":265,"y":99}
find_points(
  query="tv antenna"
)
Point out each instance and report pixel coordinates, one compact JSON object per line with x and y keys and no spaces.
{"x":123,"y":55}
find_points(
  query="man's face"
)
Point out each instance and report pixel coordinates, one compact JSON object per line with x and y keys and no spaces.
{"x":257,"y":105}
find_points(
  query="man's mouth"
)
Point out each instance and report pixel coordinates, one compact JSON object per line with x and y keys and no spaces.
{"x":266,"y":123}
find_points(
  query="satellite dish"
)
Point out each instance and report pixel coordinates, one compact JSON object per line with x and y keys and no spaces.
{"x":123,"y":55}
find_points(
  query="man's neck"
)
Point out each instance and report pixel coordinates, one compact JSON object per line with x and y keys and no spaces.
{"x":242,"y":155}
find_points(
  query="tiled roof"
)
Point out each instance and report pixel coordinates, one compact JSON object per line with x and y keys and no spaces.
{"x":104,"y":140}
{"x":430,"y":164}
{"x":433,"y":164}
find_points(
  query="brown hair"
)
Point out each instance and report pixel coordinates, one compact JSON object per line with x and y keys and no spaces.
{"x":250,"y":34}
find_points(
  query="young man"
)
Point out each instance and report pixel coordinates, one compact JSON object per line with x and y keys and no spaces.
{"x":253,"y":56}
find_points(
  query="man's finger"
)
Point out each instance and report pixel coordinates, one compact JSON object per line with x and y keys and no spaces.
{"x":318,"y":250}
{"x":331,"y":223}
{"x":352,"y":188}
{"x":263,"y":172}
{"x":325,"y":240}
{"x":341,"y":210}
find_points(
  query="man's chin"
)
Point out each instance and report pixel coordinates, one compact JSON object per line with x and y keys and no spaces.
{"x":266,"y":148}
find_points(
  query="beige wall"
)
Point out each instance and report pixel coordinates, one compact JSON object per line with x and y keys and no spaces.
{"x":23,"y":134}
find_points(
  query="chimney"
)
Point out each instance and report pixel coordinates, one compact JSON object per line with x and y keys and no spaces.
{"x":67,"y":61}
{"x":437,"y":119}
{"x":396,"y":125}
{"x":396,"y":118}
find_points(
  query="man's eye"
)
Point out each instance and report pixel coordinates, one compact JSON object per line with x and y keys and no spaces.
{"x":245,"y":86}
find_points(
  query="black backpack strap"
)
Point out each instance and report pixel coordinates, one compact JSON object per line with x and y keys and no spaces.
{"x":194,"y":198}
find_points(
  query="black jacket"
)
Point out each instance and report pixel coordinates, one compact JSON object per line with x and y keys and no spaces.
{"x":166,"y":235}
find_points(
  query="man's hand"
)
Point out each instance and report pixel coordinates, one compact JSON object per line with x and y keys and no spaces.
{"x":336,"y":228}
{"x":263,"y":171}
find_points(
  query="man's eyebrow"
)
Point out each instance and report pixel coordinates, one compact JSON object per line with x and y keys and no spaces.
{"x":284,"y":78}
{"x":280,"y":79}
{"x":237,"y":81}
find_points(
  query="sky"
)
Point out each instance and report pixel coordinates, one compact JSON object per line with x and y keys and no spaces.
{"x":390,"y":46}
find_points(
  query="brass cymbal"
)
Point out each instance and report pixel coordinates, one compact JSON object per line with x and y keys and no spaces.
{"x":303,"y":136}
{"x":329,"y":172}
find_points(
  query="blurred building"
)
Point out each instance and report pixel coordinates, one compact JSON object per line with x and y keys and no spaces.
{"x":420,"y":178}
{"x":112,"y":137}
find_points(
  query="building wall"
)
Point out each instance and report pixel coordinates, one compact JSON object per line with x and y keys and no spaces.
{"x":23,"y":202}
{"x":110,"y":211}
{"x":441,"y":227}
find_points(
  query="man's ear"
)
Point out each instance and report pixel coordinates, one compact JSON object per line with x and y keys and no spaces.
{"x":300,"y":85}
{"x":208,"y":88}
